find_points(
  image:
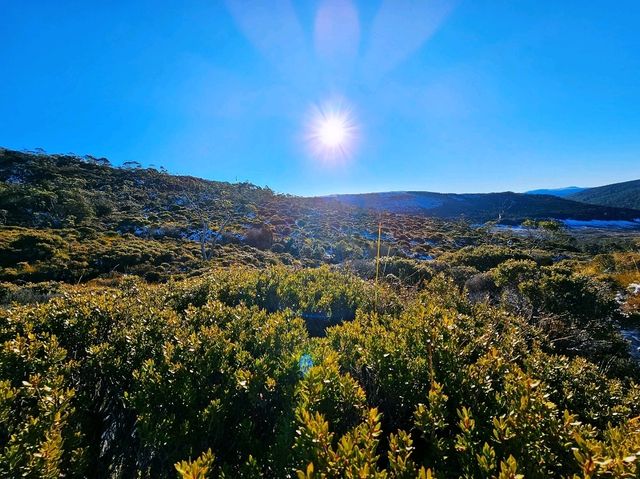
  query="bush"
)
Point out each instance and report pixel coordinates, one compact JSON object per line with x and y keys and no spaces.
{"x":218,"y":377}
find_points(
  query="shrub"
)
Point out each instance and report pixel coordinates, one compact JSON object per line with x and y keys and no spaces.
{"x":218,"y":377}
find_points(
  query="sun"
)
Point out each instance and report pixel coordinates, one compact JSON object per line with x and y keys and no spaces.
{"x":332,"y":133}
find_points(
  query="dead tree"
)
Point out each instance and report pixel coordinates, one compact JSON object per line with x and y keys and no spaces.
{"x":209,"y":208}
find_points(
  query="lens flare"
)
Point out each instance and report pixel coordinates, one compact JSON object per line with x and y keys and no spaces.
{"x":332,"y":133}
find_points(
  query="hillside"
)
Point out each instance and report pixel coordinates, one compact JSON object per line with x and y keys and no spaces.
{"x":505,"y":207}
{"x":623,"y":195}
{"x":559,"y":192}
{"x":73,"y":219}
{"x":167,"y":326}
{"x":68,"y":218}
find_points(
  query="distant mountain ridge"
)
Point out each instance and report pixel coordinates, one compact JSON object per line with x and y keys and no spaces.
{"x":621,"y":195}
{"x":43,"y":191}
{"x":559,"y":192}
{"x":506,"y":207}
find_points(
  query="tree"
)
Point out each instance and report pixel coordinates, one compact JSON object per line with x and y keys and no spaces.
{"x":131,"y":165}
{"x":209,"y":208}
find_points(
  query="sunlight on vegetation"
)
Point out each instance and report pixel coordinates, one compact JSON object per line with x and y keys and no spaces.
{"x":432,"y":286}
{"x":162,"y":326}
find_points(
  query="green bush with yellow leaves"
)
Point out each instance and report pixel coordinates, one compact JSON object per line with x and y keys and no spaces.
{"x":308,"y":373}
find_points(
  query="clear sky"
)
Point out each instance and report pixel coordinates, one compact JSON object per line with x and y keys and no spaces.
{"x":452,"y":96}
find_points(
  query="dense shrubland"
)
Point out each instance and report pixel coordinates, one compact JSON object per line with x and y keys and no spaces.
{"x":72,"y":219}
{"x":162,"y":326}
{"x":624,"y":194}
{"x":309,"y":373}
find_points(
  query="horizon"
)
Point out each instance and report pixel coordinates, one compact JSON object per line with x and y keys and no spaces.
{"x":159,"y":167}
{"x":333,"y":97}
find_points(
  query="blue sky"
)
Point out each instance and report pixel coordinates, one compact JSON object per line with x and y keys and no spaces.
{"x":453,"y":96}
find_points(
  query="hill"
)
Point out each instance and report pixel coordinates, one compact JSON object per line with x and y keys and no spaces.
{"x":621,"y":195}
{"x":167,"y":326}
{"x":72,"y":219}
{"x":480,"y":207}
{"x":559,"y":192}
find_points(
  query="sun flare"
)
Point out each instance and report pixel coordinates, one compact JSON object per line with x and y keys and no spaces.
{"x":332,"y":133}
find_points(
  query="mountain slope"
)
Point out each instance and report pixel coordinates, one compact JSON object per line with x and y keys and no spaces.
{"x":479,"y":207}
{"x":559,"y":192}
{"x":621,"y":195}
{"x":67,"y":218}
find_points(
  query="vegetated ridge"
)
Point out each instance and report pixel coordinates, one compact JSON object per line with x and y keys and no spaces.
{"x":72,"y":219}
{"x":507,"y":207}
{"x":625,"y":195}
{"x":164,"y":326}
{"x":560,"y":192}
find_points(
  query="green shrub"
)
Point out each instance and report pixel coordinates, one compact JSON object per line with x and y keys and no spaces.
{"x":218,"y":377}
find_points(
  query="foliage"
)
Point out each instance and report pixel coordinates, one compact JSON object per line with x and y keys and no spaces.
{"x":485,"y":257}
{"x":127,"y":352}
{"x":136,"y":378}
{"x":73,"y":219}
{"x":626,"y":194}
